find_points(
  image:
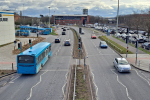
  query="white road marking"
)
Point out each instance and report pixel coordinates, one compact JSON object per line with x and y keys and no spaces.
{"x":122,"y":85}
{"x":14,"y":79}
{"x":141,"y":76}
{"x":64,"y":84}
{"x":35,"y":85}
{"x":94,"y":83}
{"x":54,"y":70}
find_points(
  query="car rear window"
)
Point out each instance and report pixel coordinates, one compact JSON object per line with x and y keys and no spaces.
{"x":56,"y":39}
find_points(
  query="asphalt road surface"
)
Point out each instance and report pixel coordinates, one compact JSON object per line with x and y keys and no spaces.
{"x":110,"y":84}
{"x":49,"y":83}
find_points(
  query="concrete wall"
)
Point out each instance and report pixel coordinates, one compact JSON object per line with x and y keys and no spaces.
{"x":7,"y":28}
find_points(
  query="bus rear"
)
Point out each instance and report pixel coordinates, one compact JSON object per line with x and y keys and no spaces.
{"x":26,"y":64}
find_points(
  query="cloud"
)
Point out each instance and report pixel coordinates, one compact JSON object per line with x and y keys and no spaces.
{"x":104,"y":8}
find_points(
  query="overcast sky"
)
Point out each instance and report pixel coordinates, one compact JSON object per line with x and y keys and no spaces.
{"x":104,"y":8}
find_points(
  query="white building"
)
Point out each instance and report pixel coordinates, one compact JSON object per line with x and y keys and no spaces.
{"x":7,"y":27}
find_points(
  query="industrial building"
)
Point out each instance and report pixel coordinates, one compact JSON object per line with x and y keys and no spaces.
{"x":7,"y":27}
{"x":70,"y":19}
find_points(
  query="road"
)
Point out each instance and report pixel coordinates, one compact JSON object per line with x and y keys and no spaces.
{"x":48,"y":84}
{"x":110,"y":84}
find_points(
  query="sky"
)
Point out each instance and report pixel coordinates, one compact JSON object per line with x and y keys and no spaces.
{"x":104,"y":8}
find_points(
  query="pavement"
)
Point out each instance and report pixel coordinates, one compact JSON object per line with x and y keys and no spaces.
{"x":109,"y":83}
{"x":143,"y":59}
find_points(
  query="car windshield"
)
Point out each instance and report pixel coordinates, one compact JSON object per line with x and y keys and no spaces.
{"x":123,"y":62}
{"x":104,"y":43}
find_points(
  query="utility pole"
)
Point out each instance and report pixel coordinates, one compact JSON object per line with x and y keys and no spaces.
{"x":54,"y":18}
{"x":49,"y":16}
{"x":127,"y":40}
{"x":117,"y":18}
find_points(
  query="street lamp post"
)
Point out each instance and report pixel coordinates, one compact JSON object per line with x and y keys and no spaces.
{"x":49,"y":16}
{"x":117,"y":18}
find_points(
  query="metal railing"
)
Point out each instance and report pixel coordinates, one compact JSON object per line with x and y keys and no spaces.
{"x":75,"y":82}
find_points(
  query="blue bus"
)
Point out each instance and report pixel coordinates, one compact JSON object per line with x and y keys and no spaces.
{"x":24,"y":31}
{"x":33,"y":59}
{"x":44,"y":31}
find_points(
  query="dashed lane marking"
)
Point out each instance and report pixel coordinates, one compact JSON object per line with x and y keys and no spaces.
{"x":4,"y":84}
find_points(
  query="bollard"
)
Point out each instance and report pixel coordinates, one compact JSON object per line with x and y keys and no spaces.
{"x":12,"y":67}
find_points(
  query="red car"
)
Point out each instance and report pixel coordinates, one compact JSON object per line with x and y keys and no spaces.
{"x":93,"y":36}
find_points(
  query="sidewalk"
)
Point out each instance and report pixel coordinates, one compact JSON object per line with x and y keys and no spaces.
{"x":6,"y":56}
{"x":143,"y":59}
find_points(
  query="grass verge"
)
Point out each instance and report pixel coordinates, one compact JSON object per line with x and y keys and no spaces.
{"x":115,"y":45}
{"x":142,"y":49}
{"x":82,"y":92}
{"x":26,"y":46}
{"x":53,"y":32}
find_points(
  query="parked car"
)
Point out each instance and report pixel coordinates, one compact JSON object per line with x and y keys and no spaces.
{"x":132,"y":40}
{"x":122,"y":65}
{"x":146,"y":45}
{"x":140,"y":40}
{"x":117,"y":35}
{"x":103,"y":44}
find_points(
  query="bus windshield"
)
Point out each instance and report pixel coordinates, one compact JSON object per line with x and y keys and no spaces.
{"x":26,"y":59}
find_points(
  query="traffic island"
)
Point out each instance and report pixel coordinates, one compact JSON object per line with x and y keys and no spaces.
{"x":25,"y":46}
{"x":84,"y":89}
{"x":76,"y":48}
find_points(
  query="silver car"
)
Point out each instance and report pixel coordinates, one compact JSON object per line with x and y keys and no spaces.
{"x":122,"y":65}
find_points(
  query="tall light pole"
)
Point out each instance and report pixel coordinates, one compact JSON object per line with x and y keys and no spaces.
{"x":49,"y":16}
{"x":54,"y":18}
{"x":117,"y":18}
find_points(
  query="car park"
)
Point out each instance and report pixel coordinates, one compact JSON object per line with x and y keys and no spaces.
{"x":122,"y":65}
{"x":146,"y":45}
{"x":93,"y":36}
{"x":103,"y":44}
{"x":63,"y":33}
{"x":67,"y":43}
{"x":117,"y":35}
{"x":57,"y":40}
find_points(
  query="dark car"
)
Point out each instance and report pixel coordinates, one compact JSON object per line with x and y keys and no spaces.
{"x":140,"y":40}
{"x":146,"y":45}
{"x":67,"y":43}
{"x":63,"y":33}
{"x":57,"y":40}
{"x":64,"y":29}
